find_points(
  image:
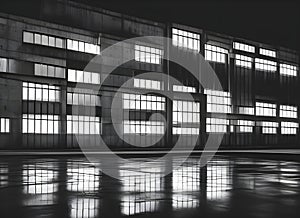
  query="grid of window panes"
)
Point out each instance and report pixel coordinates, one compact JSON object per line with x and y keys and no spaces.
{"x":289,"y":128}
{"x":41,"y":92}
{"x":80,"y":76}
{"x":85,"y":125}
{"x":136,"y":102}
{"x":180,"y":88}
{"x":243,"y":61}
{"x":288,"y":111}
{"x":4,"y":125}
{"x":218,"y":101}
{"x":86,"y":99}
{"x":147,"y":54}
{"x":246,"y":110}
{"x":269,"y":127}
{"x":76,"y":45}
{"x":245,"y":125}
{"x":40,"y":124}
{"x":243,"y":47}
{"x":217,"y":125}
{"x":287,"y":69}
{"x":49,"y":71}
{"x":186,"y":39}
{"x":215,"y":53}
{"x":143,"y":102}
{"x":143,"y":127}
{"x":265,"y":109}
{"x":186,"y":113}
{"x":146,"y":84}
{"x":265,"y":65}
{"x":43,"y":39}
{"x":267,"y":52}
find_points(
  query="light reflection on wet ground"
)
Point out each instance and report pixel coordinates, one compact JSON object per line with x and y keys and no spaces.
{"x":74,"y":188}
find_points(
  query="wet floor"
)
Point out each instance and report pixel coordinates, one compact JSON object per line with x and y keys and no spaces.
{"x":228,"y":186}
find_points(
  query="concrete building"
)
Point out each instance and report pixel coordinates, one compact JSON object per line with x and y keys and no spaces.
{"x":43,"y":58}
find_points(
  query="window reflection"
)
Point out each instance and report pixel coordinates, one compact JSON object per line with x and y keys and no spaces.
{"x":82,"y":177}
{"x":186,"y":183}
{"x":180,"y":201}
{"x":143,"y":189}
{"x":84,"y":207}
{"x":40,"y":181}
{"x":219,"y":179}
{"x":3,"y":175}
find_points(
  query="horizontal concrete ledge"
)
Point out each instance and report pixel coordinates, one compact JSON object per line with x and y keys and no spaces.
{"x":160,"y":152}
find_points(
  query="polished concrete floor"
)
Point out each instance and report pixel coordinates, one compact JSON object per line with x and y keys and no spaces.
{"x":229,"y":186}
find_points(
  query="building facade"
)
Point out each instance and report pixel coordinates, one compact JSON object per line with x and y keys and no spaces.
{"x":43,"y":59}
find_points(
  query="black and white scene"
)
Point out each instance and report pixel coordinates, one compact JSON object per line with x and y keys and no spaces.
{"x":149,"y":108}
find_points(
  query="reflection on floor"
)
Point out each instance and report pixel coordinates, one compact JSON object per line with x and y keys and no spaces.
{"x":227,"y":186}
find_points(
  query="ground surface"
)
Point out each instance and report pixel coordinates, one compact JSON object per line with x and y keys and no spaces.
{"x":240,"y":185}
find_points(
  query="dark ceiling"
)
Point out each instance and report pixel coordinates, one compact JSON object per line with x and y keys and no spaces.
{"x":274,"y":22}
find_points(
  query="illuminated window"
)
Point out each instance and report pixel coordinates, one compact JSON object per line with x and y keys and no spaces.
{"x":243,"y":47}
{"x":245,"y":126}
{"x":243,"y":61}
{"x":265,"y":65}
{"x":246,"y":110}
{"x":76,"y":45}
{"x":4,"y":125}
{"x":186,"y":113}
{"x":269,"y":127}
{"x":267,"y":52}
{"x":83,"y":99}
{"x":289,"y":128}
{"x":186,"y":39}
{"x":143,"y":127}
{"x":83,"y":77}
{"x":287,"y":69}
{"x":143,"y":102}
{"x":40,"y":124}
{"x":143,"y":106}
{"x":218,"y":101}
{"x":40,"y":92}
{"x":180,"y":88}
{"x":146,"y":84}
{"x":43,"y":39}
{"x":3,"y":64}
{"x":215,"y":53}
{"x":288,"y":111}
{"x":49,"y":70}
{"x":265,"y":109}
{"x":86,"y":125}
{"x":147,"y":54}
{"x":216,"y":125}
